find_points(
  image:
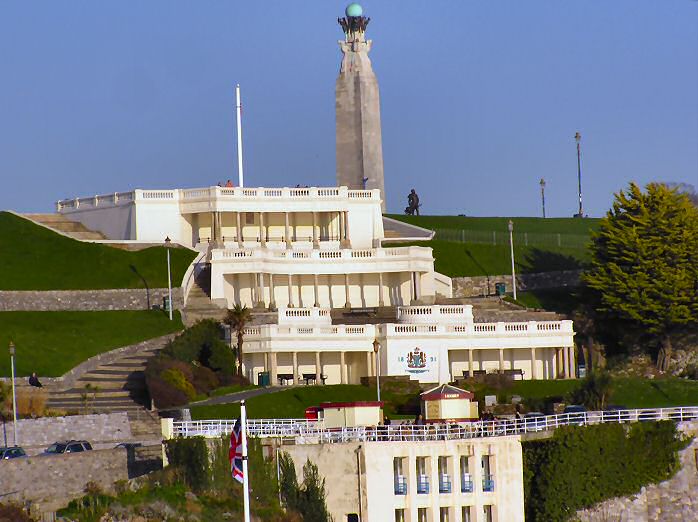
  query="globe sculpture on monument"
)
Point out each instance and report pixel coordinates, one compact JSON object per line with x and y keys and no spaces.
{"x":357,"y":103}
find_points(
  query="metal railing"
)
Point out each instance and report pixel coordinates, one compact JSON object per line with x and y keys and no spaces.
{"x":444,"y":484}
{"x":501,"y":237}
{"x":488,"y":484}
{"x":304,"y":431}
{"x":422,"y":484}
{"x":466,"y":486}
{"x":400,"y":485}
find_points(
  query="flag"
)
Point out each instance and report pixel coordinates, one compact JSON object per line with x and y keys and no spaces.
{"x":235,"y":452}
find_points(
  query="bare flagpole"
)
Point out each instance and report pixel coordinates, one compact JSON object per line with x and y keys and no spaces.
{"x":239,"y":118}
{"x":245,"y":476}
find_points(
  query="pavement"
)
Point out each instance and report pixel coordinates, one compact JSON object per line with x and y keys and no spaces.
{"x":239,"y":396}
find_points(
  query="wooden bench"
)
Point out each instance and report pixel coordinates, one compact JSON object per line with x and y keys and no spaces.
{"x":307,"y":377}
{"x":514,"y":373}
{"x":285,"y":378}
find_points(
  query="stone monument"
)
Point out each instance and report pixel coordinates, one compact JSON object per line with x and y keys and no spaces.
{"x":358,"y":126}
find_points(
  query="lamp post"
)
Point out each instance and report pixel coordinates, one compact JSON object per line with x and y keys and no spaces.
{"x":169,"y":278}
{"x":14,"y":397}
{"x":511,"y":245}
{"x":542,"y":194}
{"x":376,"y":349}
{"x":578,"y":139}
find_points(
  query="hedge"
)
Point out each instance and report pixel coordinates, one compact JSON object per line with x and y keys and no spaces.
{"x":581,"y":466}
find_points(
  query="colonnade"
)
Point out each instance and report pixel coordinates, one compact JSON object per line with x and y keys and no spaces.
{"x":271,"y":365}
{"x":562,"y":365}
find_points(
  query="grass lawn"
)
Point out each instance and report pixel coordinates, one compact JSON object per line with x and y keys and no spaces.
{"x":521,"y":224}
{"x":291,"y":403}
{"x":562,"y":300}
{"x":51,"y":343}
{"x":225,"y":390}
{"x":35,"y":258}
{"x":463,"y":259}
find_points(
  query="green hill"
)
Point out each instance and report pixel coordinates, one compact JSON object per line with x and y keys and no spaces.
{"x":521,"y":224}
{"x":35,"y":258}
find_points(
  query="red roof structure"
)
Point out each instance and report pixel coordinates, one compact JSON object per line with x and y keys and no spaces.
{"x":446,"y":391}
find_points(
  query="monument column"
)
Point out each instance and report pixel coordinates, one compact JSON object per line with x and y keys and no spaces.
{"x":359,"y":147}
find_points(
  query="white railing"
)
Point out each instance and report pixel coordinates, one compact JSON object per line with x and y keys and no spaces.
{"x":305,"y":431}
{"x":278,"y":331}
{"x":500,"y":329}
{"x":406,"y":253}
{"x":435,"y":313}
{"x":304,"y":315}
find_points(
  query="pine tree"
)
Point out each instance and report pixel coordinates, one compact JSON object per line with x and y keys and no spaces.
{"x":644,"y":268}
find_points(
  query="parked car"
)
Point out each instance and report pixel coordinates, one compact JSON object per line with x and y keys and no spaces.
{"x":12,"y":452}
{"x":533,"y":421}
{"x":68,"y":446}
{"x":576,"y":414}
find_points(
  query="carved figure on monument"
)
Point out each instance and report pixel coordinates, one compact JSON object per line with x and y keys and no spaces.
{"x":413,"y":204}
{"x":359,"y":145}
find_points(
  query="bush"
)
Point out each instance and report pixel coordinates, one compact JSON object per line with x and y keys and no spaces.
{"x":202,"y":343}
{"x":581,"y":466}
{"x":204,"y":379}
{"x":189,"y":455}
{"x":176,"y":378}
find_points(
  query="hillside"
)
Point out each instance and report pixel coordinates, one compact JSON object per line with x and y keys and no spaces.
{"x":521,"y":224}
{"x":35,"y":258}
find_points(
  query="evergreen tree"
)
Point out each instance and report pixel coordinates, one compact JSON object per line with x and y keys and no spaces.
{"x":644,"y":267}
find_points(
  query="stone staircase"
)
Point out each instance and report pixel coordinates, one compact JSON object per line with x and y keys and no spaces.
{"x":115,"y":386}
{"x":199,"y":305}
{"x":494,"y":309}
{"x":373,"y":315}
{"x":62,"y":224}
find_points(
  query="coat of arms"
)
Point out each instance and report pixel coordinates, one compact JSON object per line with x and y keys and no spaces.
{"x":416,"y":361}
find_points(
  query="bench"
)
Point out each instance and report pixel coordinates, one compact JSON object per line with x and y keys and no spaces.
{"x":285,"y":378}
{"x":514,"y":373}
{"x":307,"y":377}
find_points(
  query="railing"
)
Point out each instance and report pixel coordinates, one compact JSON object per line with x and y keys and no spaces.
{"x":466,"y":485}
{"x":302,"y":430}
{"x":400,"y":485}
{"x":274,"y":331}
{"x":422,"y":484}
{"x":329,"y":255}
{"x":488,"y":484}
{"x":434,"y":313}
{"x":501,"y":237}
{"x":444,"y":484}
{"x":503,"y":329}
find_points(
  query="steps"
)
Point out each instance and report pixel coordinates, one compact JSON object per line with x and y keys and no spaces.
{"x":199,"y":305}
{"x":115,"y":386}
{"x":494,"y":309}
{"x":377,"y":315}
{"x":62,"y":224}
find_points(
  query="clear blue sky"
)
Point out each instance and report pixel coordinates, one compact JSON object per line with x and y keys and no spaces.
{"x":480,"y":99}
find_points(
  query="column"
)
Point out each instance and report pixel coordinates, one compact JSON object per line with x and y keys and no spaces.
{"x":318,"y":368}
{"x":342,"y":369}
{"x":412,"y":293}
{"x":272,"y":369}
{"x":316,"y":242}
{"x":343,"y":230}
{"x":417,"y":286}
{"x":287,"y":229}
{"x":262,"y":232}
{"x":260,"y":290}
{"x":534,"y":374}
{"x":295,"y":367}
{"x":501,"y":359}
{"x":381,"y":301}
{"x":573,"y":362}
{"x":369,"y":364}
{"x":238,"y":229}
{"x":213,"y":227}
{"x":470,"y":362}
{"x":315,"y":290}
{"x":347,"y":304}
{"x":272,"y":299}
{"x":346,"y":229}
{"x":556,"y":355}
{"x":290,"y":291}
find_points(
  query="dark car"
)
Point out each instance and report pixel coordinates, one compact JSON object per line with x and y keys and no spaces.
{"x":12,"y":452}
{"x":576,"y":414}
{"x":68,"y":446}
{"x":533,"y":421}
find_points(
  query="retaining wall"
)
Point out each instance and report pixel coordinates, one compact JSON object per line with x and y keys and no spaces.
{"x":87,"y":300}
{"x":485,"y":285}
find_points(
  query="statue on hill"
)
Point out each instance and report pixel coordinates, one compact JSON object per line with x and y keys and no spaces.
{"x":413,"y":205}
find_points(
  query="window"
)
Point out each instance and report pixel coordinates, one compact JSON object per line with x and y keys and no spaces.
{"x":466,"y":514}
{"x":444,"y":475}
{"x":487,"y":510}
{"x":466,"y":479}
{"x":399,"y":515}
{"x":422,"y":477}
{"x":422,"y":515}
{"x":487,"y":477}
{"x":444,"y":514}
{"x":352,"y":517}
{"x":399,"y":478}
{"x":74,"y":448}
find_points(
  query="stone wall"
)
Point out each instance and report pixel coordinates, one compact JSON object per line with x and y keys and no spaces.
{"x":35,"y":435}
{"x":50,"y":483}
{"x":86,"y":300}
{"x":485,"y":285}
{"x":675,"y":499}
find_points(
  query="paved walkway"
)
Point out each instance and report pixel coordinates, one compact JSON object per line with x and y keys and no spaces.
{"x":239,"y":396}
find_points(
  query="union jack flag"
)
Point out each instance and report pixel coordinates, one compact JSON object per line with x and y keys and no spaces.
{"x":235,"y":452}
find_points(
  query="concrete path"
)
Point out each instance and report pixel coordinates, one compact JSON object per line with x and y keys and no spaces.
{"x":239,"y":396}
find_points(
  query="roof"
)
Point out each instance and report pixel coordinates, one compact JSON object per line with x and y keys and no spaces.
{"x":446,"y":391}
{"x":356,"y":404}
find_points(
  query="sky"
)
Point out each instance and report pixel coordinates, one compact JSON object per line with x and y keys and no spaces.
{"x":479,"y":99}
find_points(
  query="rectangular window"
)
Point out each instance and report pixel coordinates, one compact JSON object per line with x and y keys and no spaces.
{"x":399,"y":479}
{"x":487,"y":510}
{"x":422,"y":515}
{"x":444,"y":514}
{"x":399,"y":515}
{"x":422,"y":467}
{"x":487,"y":476}
{"x":444,"y":475}
{"x":466,"y":514}
{"x":466,"y":479}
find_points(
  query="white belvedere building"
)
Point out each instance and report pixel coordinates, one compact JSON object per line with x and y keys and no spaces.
{"x":432,"y":344}
{"x":275,"y":247}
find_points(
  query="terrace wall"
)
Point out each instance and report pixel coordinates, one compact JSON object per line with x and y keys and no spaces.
{"x":485,"y":285}
{"x":87,"y":300}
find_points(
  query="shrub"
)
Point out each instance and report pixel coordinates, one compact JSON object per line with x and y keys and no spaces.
{"x":176,"y":378}
{"x":581,"y":466}
{"x":189,"y":455}
{"x":202,"y":343}
{"x":203,"y":379}
{"x":13,"y":513}
{"x":31,"y":402}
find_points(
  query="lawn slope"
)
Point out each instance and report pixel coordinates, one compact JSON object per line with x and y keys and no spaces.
{"x":35,"y":258}
{"x":52,"y":343}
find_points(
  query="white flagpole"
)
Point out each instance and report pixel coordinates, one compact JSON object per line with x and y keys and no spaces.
{"x":245,"y":476}
{"x":239,"y":117}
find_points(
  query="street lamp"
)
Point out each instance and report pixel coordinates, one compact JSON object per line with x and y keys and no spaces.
{"x":376,"y":349}
{"x":169,"y":277}
{"x":578,"y":139}
{"x":14,"y":397}
{"x":511,"y":245}
{"x":542,"y":194}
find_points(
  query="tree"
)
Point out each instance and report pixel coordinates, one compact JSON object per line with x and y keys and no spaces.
{"x":594,"y":390}
{"x":237,"y":318}
{"x":643,"y":276}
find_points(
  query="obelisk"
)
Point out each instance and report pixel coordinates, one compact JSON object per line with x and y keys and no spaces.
{"x":358,"y":126}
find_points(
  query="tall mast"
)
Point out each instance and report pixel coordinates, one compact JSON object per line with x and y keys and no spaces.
{"x":239,"y":123}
